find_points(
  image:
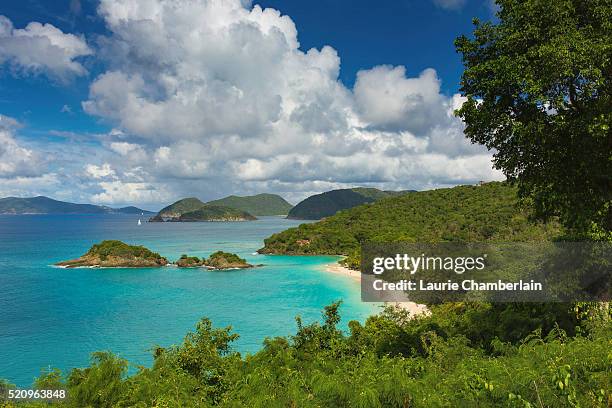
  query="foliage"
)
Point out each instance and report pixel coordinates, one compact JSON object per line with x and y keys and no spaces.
{"x":227,"y":256}
{"x":539,"y":92}
{"x":466,"y":213}
{"x":217,"y":260}
{"x":188,"y":261}
{"x":456,"y":356}
{"x":326,"y":204}
{"x":231,"y":206}
{"x":224,"y":260}
{"x":538,"y":87}
{"x":120,"y":249}
{"x":101,"y":384}
{"x":260,"y":204}
{"x":181,"y":206}
{"x":215,"y":212}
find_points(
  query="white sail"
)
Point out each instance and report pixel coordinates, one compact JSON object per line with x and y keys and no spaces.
{"x":139,"y":223}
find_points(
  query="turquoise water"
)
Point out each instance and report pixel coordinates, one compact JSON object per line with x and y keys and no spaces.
{"x":57,"y":317}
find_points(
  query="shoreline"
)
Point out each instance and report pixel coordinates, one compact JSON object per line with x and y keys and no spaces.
{"x":411,"y":307}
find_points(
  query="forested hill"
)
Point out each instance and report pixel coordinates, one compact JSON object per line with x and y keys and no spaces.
{"x":325,"y":204}
{"x":260,"y":204}
{"x":215,"y":213}
{"x":468,"y":213}
{"x":180,"y":207}
{"x":46,"y":205}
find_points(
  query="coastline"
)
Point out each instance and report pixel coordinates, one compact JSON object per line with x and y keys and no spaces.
{"x":411,"y":307}
{"x":338,"y":269}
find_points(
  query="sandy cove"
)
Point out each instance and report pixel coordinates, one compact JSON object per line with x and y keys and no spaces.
{"x":341,"y":270}
{"x":411,"y":307}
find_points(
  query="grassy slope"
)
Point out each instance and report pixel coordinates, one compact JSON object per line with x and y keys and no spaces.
{"x":260,"y":204}
{"x":468,"y":213}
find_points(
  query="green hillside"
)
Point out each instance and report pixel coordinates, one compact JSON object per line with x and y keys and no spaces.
{"x":260,"y":204}
{"x":325,"y":204}
{"x":228,"y":207}
{"x":464,"y":213}
{"x":176,"y":209}
{"x":46,"y":205}
{"x":215,"y":213}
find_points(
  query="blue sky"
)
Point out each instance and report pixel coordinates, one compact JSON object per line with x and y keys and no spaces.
{"x":368,"y":106}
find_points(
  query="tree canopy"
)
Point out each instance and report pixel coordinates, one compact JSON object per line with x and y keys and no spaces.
{"x":538,"y":84}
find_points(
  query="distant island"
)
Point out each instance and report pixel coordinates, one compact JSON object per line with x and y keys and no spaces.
{"x":193,"y":210}
{"x":215,"y":213}
{"x":258,"y":205}
{"x":118,"y":254}
{"x":219,"y":260}
{"x":46,"y":205}
{"x":176,"y":209}
{"x":231,"y":208}
{"x":329,"y":203}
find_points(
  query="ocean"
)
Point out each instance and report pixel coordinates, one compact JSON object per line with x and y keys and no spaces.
{"x":55,"y":317}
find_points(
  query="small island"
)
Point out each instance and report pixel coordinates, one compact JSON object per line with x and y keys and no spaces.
{"x":226,"y":260}
{"x":215,"y":213}
{"x":194,"y":210}
{"x":117,"y":254}
{"x":186,"y":261}
{"x":218,"y":261}
{"x":231,"y":208}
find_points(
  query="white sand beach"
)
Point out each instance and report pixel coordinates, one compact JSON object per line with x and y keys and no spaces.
{"x":342,"y":270}
{"x":411,"y":307}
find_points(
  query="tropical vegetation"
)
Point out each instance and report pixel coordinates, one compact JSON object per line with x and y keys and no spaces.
{"x":231,"y":206}
{"x":330,"y":202}
{"x":460,"y":355}
{"x":113,"y":253}
{"x":488,"y":212}
{"x":260,"y":204}
{"x":215,"y":213}
{"x":226,"y":260}
{"x":538,"y":85}
{"x":186,"y":261}
{"x":179,"y":207}
{"x":217,"y":260}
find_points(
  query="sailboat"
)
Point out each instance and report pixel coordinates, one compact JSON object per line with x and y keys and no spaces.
{"x":139,"y":223}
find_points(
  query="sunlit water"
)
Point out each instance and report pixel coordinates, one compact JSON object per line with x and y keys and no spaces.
{"x":56,"y":317}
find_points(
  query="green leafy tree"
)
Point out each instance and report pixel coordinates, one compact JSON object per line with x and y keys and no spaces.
{"x":101,"y":384}
{"x":539,"y":92}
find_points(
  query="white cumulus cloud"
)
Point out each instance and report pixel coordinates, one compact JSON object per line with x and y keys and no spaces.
{"x":216,"y":97}
{"x":15,"y":159}
{"x":42,"y":48}
{"x":389,"y":100}
{"x":100,"y":172}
